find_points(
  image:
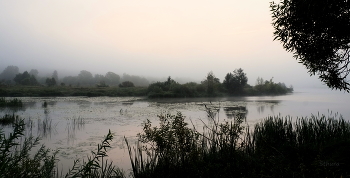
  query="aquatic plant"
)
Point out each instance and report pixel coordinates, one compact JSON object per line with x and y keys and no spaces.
{"x":15,"y":102}
{"x":96,"y":165}
{"x":175,"y":150}
{"x":8,"y":119}
{"x":276,"y":147}
{"x":303,"y":147}
{"x":17,"y":161}
{"x":15,"y":157}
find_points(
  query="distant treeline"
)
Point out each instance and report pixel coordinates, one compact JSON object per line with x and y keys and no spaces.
{"x":234,"y":84}
{"x":11,"y":76}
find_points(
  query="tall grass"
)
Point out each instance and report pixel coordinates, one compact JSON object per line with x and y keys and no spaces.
{"x":276,"y":147}
{"x":308,"y":147}
{"x":317,"y":146}
{"x":8,"y":119}
{"x":16,"y":159}
{"x":10,"y":103}
{"x":96,"y":165}
{"x":175,"y":150}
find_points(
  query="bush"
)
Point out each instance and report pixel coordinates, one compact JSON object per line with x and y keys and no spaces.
{"x":277,"y":147}
{"x":126,"y":84}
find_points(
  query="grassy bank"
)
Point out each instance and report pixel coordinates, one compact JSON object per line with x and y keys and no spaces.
{"x":153,"y":91}
{"x":11,"y":102}
{"x":38,"y":91}
{"x":276,"y":147}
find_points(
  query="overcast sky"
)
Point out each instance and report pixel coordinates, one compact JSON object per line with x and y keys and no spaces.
{"x":157,"y":38}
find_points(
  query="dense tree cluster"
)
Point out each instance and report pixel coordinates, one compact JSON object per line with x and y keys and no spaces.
{"x":50,"y":82}
{"x":25,"y":79}
{"x":9,"y":74}
{"x":234,"y":84}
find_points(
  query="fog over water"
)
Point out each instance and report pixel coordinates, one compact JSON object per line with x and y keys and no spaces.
{"x":182,"y":39}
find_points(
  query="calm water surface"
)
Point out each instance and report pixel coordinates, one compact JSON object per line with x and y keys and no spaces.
{"x":75,"y":125}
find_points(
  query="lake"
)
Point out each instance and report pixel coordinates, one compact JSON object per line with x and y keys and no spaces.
{"x":75,"y":125}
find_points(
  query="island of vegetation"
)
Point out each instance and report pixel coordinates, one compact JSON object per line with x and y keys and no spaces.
{"x":16,"y":84}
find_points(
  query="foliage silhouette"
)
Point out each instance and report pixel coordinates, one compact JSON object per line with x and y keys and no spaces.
{"x":317,"y":33}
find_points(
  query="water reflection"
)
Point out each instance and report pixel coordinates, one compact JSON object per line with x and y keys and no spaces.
{"x":73,"y":125}
{"x":83,"y":104}
{"x":128,"y":103}
{"x":68,"y":123}
{"x":232,"y":111}
{"x":262,"y":104}
{"x":12,"y":109}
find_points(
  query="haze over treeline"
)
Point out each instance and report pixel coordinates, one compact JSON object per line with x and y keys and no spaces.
{"x":181,"y":39}
{"x":234,"y":83}
{"x":87,"y":78}
{"x":91,"y":78}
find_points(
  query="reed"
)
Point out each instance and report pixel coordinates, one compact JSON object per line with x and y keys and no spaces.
{"x":276,"y":147}
{"x":96,"y":165}
{"x":17,"y":160}
{"x":303,"y":147}
{"x":8,"y":119}
{"x":15,"y":157}
{"x":11,"y":102}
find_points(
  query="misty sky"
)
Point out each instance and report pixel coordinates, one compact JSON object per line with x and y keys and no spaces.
{"x":153,"y":38}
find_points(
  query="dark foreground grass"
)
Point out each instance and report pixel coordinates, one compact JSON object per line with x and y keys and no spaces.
{"x":17,"y":158}
{"x":276,"y":147}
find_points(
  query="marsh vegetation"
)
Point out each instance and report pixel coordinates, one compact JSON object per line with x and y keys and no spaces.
{"x":224,"y":140}
{"x":275,"y":147}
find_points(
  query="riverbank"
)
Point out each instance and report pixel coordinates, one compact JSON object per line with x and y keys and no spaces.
{"x":63,"y":91}
{"x":43,"y":91}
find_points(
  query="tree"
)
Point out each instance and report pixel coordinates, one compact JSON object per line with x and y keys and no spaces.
{"x":318,"y":34}
{"x":211,"y":83}
{"x":85,"y":78}
{"x":34,"y":72}
{"x":55,"y":75}
{"x":9,"y":73}
{"x":25,"y":79}
{"x":50,"y":82}
{"x":98,"y":78}
{"x":112,"y":78}
{"x":137,"y":80}
{"x":234,"y":83}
